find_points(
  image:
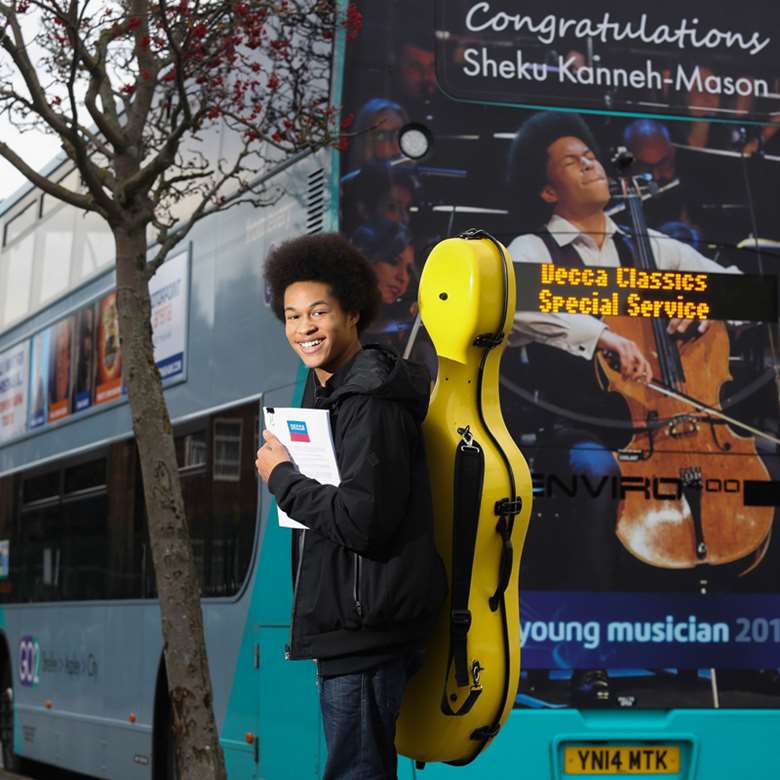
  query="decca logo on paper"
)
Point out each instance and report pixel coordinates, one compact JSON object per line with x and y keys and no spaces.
{"x":29,"y":661}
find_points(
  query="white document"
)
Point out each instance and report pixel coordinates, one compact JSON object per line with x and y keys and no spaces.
{"x":307,"y":435}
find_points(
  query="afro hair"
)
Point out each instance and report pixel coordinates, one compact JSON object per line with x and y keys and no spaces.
{"x":327,"y":258}
{"x":527,"y":167}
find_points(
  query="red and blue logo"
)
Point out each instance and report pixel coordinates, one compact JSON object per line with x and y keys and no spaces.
{"x":298,"y":431}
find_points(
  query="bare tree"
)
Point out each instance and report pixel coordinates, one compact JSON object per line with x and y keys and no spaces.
{"x":132,"y":89}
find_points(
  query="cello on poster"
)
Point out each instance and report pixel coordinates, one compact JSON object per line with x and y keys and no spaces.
{"x":680,"y":431}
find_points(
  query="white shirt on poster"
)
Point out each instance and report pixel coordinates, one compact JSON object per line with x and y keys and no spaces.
{"x":578,"y":334}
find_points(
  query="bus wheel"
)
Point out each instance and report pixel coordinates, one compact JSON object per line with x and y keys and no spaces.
{"x":11,"y":761}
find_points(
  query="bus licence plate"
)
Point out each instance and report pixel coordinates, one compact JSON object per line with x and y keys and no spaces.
{"x":623,"y":760}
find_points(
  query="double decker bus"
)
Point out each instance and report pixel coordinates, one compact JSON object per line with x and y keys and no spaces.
{"x":650,"y":617}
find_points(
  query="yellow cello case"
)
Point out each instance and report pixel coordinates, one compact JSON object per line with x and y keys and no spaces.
{"x":455,"y":705}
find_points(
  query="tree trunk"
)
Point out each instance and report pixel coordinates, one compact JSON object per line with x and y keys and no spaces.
{"x":199,"y":755}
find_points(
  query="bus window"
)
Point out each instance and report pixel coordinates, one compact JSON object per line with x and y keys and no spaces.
{"x":6,"y":528}
{"x":227,"y":534}
{"x":234,"y":497}
{"x":36,"y":561}
{"x":60,"y":550}
{"x":85,"y":532}
{"x":21,"y":222}
{"x":96,"y":248}
{"x":84,"y":541}
{"x":84,"y":476}
{"x":55,"y":252}
{"x":41,"y":487}
{"x":79,"y":529}
{"x":191,"y":450}
{"x":216,"y":468}
{"x":18,"y":278}
{"x":227,"y":450}
{"x":128,"y":542}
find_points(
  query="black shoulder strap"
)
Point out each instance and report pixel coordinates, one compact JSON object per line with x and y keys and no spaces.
{"x":467,"y":497}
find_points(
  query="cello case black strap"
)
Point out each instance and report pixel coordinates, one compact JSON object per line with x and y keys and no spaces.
{"x":506,"y":511}
{"x":474,"y":694}
{"x":467,"y":496}
{"x":469,"y":474}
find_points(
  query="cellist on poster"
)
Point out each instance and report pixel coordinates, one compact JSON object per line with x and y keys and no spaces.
{"x":556,"y":153}
{"x":561,"y":192}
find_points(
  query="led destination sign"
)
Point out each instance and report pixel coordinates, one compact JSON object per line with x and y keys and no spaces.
{"x":631,"y":292}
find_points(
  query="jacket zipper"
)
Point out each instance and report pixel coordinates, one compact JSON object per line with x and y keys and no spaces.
{"x":356,"y":586}
{"x":289,"y":649}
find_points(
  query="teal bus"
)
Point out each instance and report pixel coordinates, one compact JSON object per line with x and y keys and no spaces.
{"x":650,"y":579}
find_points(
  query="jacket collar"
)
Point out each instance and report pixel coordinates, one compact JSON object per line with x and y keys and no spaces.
{"x":565,"y":233}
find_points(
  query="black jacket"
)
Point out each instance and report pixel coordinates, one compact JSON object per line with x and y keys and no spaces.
{"x":368,"y":575}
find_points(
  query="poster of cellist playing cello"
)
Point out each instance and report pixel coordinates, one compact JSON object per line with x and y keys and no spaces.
{"x":644,"y":470}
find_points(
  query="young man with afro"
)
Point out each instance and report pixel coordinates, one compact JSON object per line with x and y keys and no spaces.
{"x":368,"y":582}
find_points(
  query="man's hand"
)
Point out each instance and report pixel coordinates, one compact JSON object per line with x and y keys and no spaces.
{"x":632,"y":363}
{"x":681,"y":326}
{"x":270,"y":455}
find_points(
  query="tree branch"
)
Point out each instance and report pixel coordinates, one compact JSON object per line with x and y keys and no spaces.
{"x":148,"y":70}
{"x":106,"y":120}
{"x":164,"y":158}
{"x":184,"y":102}
{"x":76,"y":199}
{"x":17,"y":50}
{"x":170,"y":240}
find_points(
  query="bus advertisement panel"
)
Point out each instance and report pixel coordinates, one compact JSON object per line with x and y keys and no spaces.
{"x":168,"y":290}
{"x":39,"y":379}
{"x":77,"y":362}
{"x":641,"y":378}
{"x":14,"y":364}
{"x":108,"y":385}
{"x":84,"y":359}
{"x":60,"y":369}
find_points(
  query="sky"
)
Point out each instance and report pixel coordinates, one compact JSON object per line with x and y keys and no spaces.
{"x":36,"y":149}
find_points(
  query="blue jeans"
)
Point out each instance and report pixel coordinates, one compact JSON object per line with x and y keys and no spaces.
{"x":359,"y":712}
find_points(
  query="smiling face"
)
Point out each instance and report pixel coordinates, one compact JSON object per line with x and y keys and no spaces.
{"x":576,"y":182}
{"x":318,"y":329}
{"x":394,"y":276}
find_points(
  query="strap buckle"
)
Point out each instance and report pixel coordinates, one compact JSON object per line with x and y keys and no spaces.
{"x":489,"y":340}
{"x":460,"y":620}
{"x":505,"y":506}
{"x":467,"y":439}
{"x":476,"y":670}
{"x":485,"y":733}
